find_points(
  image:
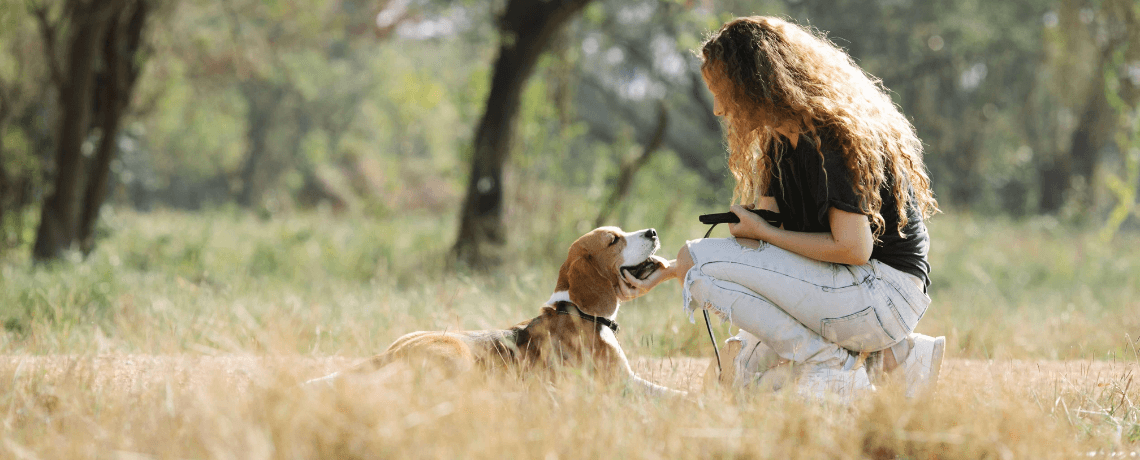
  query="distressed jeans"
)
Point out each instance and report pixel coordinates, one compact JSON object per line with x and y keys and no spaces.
{"x":807,"y":311}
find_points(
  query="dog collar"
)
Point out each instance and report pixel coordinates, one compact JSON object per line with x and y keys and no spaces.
{"x":568,"y":308}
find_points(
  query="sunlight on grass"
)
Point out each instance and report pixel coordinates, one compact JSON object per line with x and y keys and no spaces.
{"x":200,"y":407}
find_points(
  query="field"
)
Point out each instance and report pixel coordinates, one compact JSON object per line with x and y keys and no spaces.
{"x":186,"y":335}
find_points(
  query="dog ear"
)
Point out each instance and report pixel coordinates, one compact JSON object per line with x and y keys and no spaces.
{"x":587,"y":286}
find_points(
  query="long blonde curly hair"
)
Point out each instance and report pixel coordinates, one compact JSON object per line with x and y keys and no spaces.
{"x":767,"y":73}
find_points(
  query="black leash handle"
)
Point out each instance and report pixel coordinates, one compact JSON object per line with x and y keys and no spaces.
{"x":730,"y":218}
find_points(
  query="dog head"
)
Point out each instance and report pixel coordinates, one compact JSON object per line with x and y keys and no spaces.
{"x":591,"y":276}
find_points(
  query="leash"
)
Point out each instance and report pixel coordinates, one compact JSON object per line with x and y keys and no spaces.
{"x":563,"y":308}
{"x":708,"y":325}
{"x":728,"y":217}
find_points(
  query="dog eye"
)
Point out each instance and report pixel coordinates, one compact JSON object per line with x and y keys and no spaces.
{"x":615,"y":240}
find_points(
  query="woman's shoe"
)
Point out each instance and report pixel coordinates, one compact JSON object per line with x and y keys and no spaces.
{"x":922,"y":364}
{"x":824,"y":383}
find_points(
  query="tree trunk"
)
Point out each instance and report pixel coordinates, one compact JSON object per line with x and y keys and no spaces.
{"x":5,"y":107}
{"x":527,"y":27}
{"x":964,"y":190}
{"x":1053,"y":180}
{"x":57,"y":229}
{"x":3,"y":184}
{"x":121,"y":70}
{"x":261,"y":105}
{"x":1093,"y":130}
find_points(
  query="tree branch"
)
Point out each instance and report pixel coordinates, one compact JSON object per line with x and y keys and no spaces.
{"x":630,"y":168}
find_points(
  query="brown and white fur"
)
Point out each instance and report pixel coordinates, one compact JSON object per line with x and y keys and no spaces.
{"x":589,"y":279}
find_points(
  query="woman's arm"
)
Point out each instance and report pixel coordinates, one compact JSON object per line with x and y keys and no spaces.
{"x":767,"y":202}
{"x":849,"y":242}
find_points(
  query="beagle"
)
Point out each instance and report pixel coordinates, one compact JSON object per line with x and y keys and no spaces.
{"x":575,"y":328}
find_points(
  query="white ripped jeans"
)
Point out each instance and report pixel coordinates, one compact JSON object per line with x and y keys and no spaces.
{"x":807,"y":311}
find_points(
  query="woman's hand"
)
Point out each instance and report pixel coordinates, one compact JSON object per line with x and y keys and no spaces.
{"x":632,"y":288}
{"x":751,"y":226}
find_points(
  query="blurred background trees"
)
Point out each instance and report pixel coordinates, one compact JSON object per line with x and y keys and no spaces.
{"x":526,"y":28}
{"x":501,"y":118}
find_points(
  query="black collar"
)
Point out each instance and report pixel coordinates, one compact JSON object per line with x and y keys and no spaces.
{"x":568,"y":308}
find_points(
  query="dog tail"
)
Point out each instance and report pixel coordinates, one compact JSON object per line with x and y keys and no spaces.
{"x":370,"y":365}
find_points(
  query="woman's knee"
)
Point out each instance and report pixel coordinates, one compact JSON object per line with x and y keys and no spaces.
{"x":684,"y":260}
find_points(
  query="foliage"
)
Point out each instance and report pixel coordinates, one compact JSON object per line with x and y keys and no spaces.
{"x":361,"y":118}
{"x":341,"y":106}
{"x":1123,"y":187}
{"x":24,"y":113}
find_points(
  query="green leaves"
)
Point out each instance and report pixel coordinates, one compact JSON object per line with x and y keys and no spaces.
{"x":1123,"y":185}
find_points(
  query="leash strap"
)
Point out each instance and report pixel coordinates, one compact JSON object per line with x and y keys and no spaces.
{"x":708,"y":326}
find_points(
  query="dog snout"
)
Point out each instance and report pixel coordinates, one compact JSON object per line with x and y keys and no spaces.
{"x":651,"y":234}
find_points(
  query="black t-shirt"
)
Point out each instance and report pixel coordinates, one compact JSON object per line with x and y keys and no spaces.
{"x":804,"y":197}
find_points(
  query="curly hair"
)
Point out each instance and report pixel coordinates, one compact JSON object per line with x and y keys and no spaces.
{"x":767,"y":72}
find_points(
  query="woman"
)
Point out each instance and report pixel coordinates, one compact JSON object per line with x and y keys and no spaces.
{"x":812,"y":136}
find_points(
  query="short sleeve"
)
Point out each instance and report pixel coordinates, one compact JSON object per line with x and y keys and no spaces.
{"x":839,"y":192}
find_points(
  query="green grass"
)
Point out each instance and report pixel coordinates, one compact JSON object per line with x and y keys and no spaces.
{"x":169,"y":282}
{"x":1033,"y":289}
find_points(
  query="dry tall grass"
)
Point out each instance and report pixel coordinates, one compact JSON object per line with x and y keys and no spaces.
{"x":134,"y":407}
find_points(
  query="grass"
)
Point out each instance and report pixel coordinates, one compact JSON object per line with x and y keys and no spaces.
{"x":184,"y":336}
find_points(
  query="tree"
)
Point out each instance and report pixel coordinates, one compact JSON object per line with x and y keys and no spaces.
{"x":654,"y":41}
{"x":298,"y":58}
{"x":631,"y":165}
{"x":1124,"y":98}
{"x":117,"y":78}
{"x":1092,"y":34}
{"x":526,"y":28}
{"x":94,"y":72}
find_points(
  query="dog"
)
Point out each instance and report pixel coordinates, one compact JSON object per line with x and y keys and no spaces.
{"x":574,"y":328}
